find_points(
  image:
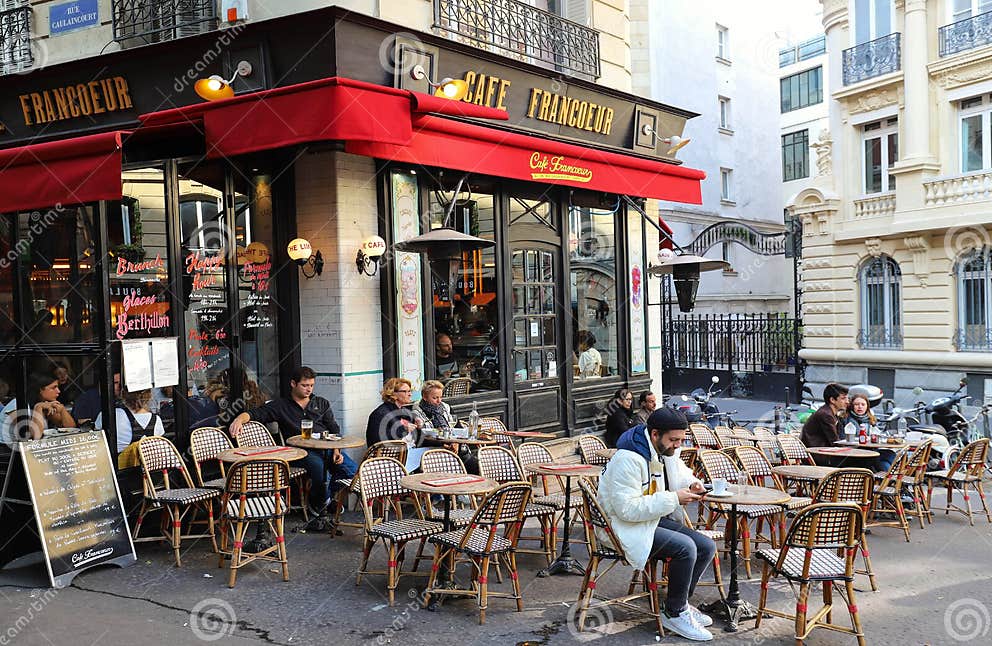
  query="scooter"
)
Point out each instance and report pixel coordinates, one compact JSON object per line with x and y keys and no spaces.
{"x":696,"y":406}
{"x":948,"y":432}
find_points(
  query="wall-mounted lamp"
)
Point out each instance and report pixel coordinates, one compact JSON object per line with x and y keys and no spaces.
{"x":369,"y":255}
{"x":676,"y":142}
{"x":216,"y":87}
{"x":310,"y":261}
{"x":448,"y":88}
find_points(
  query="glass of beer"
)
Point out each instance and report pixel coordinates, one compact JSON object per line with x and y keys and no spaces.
{"x":306,"y":428}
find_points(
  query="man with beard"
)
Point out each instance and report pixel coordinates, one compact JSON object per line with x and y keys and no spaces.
{"x":642,"y":491}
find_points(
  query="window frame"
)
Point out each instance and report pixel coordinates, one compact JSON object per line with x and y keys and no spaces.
{"x":974,"y":9}
{"x":722,"y":42}
{"x":724,"y":112}
{"x":726,"y":184}
{"x":873,"y":27}
{"x":984,"y":274}
{"x":983,"y":109}
{"x":800,"y":77}
{"x":882,"y":130}
{"x":793,"y":145}
{"x":892,"y":319}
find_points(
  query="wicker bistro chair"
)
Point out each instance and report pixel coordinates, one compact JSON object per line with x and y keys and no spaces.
{"x":704,"y":437}
{"x":483,"y":544}
{"x":381,"y":484}
{"x":255,"y":434}
{"x":205,"y":444}
{"x":914,"y":479}
{"x":759,"y":471}
{"x":719,"y":464}
{"x":588,"y":445}
{"x":445,"y":461}
{"x":499,"y":464}
{"x":256,"y":491}
{"x":967,"y":471}
{"x":809,"y":555}
{"x":536,"y":453}
{"x":494,"y":427}
{"x":158,"y":456}
{"x":605,"y":546}
{"x":766,"y":442}
{"x":457,"y":387}
{"x":793,"y":450}
{"x":726,"y":437}
{"x":395,"y":449}
{"x":887,"y":498}
{"x":851,"y":485}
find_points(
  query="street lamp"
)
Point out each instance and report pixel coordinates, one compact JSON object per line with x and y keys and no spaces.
{"x":685,"y":270}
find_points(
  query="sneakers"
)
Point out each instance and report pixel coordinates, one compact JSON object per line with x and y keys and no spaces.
{"x":702,"y":619}
{"x":686,"y":626}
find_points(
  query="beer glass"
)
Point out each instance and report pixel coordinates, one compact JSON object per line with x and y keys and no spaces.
{"x":306,"y":428}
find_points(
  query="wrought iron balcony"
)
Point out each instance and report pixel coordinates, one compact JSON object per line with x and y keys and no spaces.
{"x":15,"y":40}
{"x":871,"y":59}
{"x":880,"y":338}
{"x":521,"y":31}
{"x":975,"y":338}
{"x":965,"y":34}
{"x":151,"y":21}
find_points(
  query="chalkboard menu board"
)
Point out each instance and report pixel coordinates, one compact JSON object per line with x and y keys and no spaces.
{"x":76,"y":503}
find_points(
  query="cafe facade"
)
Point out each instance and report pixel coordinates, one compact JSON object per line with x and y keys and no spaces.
{"x":132,"y":208}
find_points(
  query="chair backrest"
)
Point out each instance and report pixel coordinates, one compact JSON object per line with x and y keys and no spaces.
{"x":793,"y":450}
{"x":254,"y":434}
{"x":726,"y":437}
{"x":503,"y":506}
{"x":441,"y":461}
{"x":588,"y":445}
{"x":248,"y":480}
{"x":704,"y":437}
{"x":846,"y":485}
{"x":457,"y":386}
{"x":893,"y":477}
{"x":825,"y":525}
{"x":766,"y":439}
{"x":972,"y":458}
{"x":380,"y":482}
{"x":205,"y":443}
{"x":758,"y":468}
{"x":495,"y":427}
{"x":916,"y":465}
{"x":743,"y":430}
{"x":158,"y":455}
{"x":534,"y":453}
{"x":718,"y":464}
{"x":395,"y":449}
{"x":595,"y":518}
{"x":499,"y":464}
{"x":688,"y":456}
{"x":721,"y":428}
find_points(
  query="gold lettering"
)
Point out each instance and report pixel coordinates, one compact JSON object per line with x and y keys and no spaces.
{"x":49,"y":107}
{"x":95,"y":97}
{"x":84,"y":99}
{"x":545,"y":102}
{"x":63,"y":105}
{"x":26,"y":109}
{"x":563,"y":109}
{"x":470,"y":81}
{"x":553,"y":110}
{"x":589,"y":115}
{"x":72,"y":98}
{"x":534,"y":95}
{"x":108,"y":95}
{"x":491,"y":90}
{"x":39,"y":108}
{"x":598,"y":124}
{"x":503,"y":87}
{"x":480,"y":95}
{"x":607,"y":121}
{"x":123,"y":95}
{"x":579,"y":115}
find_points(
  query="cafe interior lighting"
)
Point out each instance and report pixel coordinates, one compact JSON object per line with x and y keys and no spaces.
{"x":369,"y":255}
{"x":311,"y":262}
{"x":448,"y":88}
{"x":215,"y":87}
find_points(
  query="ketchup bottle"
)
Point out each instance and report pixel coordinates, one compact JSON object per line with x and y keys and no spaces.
{"x":863,"y":434}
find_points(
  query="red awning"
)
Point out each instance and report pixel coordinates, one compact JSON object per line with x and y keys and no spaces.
{"x":389,"y":123}
{"x":69,"y":171}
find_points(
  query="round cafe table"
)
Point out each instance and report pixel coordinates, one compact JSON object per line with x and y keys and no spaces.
{"x":734,"y":608}
{"x":804,"y":472}
{"x":839,"y":456}
{"x":875,"y":445}
{"x":565,"y":562}
{"x":533,"y":435}
{"x":323,"y":523}
{"x":253,"y":453}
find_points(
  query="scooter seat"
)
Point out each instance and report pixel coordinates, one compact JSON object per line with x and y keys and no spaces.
{"x":928,"y":428}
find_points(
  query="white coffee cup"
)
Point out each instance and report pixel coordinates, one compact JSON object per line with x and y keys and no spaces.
{"x":720,"y":486}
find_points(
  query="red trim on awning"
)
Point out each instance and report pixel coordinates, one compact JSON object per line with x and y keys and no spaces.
{"x":478,"y":149}
{"x":69,"y":171}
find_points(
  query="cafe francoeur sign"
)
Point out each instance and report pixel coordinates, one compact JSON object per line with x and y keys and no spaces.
{"x":557,"y":167}
{"x":74,"y":101}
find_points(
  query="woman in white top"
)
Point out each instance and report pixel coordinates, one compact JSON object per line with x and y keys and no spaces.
{"x":135,"y":421}
{"x":46,"y":411}
{"x":590,"y":361}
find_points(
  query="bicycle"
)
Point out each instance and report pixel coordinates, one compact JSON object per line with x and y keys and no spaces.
{"x":970,"y":432}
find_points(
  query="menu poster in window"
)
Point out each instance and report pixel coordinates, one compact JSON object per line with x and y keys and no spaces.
{"x":137,"y":365}
{"x":208,"y":306}
{"x":407,"y":268}
{"x":638,"y":339}
{"x":77,"y":505}
{"x":165,"y":361}
{"x":255,"y":275}
{"x":139,"y":301}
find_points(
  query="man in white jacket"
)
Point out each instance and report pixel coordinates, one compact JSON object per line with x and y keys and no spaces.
{"x":642,"y":491}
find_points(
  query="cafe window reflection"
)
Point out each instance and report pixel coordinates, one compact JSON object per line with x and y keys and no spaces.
{"x":593,"y":290}
{"x":464,"y":293}
{"x":8,"y":311}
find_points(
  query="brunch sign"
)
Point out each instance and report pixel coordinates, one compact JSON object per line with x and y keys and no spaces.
{"x":557,"y":167}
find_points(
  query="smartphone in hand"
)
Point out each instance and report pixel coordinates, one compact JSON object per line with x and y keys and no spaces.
{"x":707,"y":486}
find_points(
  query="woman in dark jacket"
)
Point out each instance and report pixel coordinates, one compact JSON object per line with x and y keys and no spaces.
{"x":621,"y":416}
{"x":391,"y":421}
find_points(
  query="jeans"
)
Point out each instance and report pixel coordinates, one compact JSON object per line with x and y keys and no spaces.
{"x":690,"y":552}
{"x":884,"y":460}
{"x":314,"y":463}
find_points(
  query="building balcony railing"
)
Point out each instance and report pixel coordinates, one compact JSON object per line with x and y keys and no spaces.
{"x":871,"y":59}
{"x":973,"y":187}
{"x":975,"y":338}
{"x":151,"y":21}
{"x":880,"y":338}
{"x":965,"y":34}
{"x":521,"y":31}
{"x":15,"y":40}
{"x":875,"y":206}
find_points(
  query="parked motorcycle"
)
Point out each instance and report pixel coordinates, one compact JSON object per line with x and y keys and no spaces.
{"x":696,"y":406}
{"x":948,"y":430}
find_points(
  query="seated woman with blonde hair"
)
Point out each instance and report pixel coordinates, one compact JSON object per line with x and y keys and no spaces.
{"x":431,"y":412}
{"x":134,"y":421}
{"x":391,"y":420}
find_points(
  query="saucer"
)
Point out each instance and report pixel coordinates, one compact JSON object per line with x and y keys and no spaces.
{"x":726,"y":494}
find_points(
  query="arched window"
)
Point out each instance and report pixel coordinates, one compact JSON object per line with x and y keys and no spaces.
{"x":881,"y":304}
{"x":973,"y":278}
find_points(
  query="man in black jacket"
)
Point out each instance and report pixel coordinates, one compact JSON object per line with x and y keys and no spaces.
{"x":821,"y":428}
